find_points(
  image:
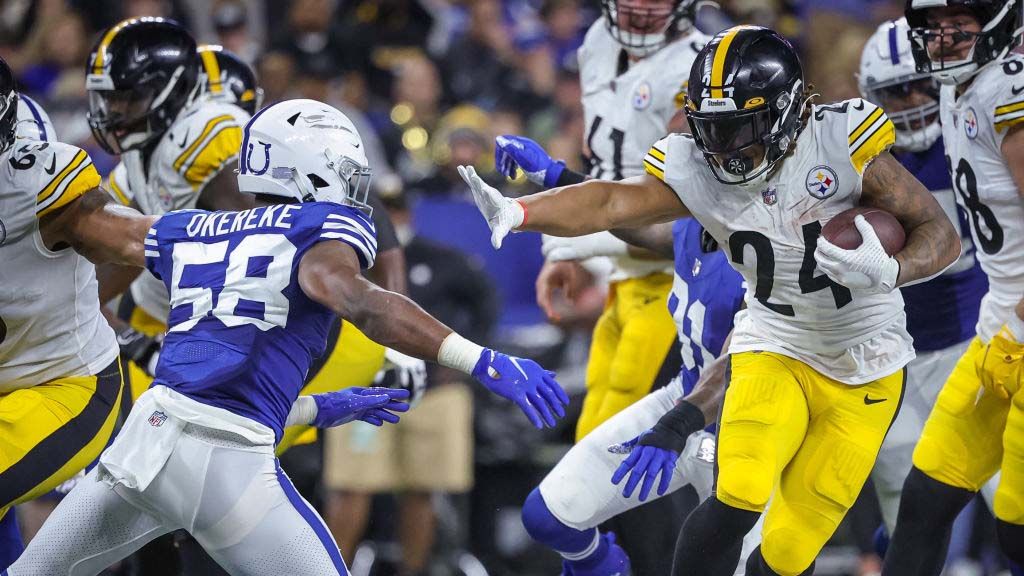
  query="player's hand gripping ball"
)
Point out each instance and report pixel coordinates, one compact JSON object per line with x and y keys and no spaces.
{"x":860,"y":255}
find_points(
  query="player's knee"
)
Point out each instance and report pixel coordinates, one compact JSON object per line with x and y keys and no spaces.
{"x":927,"y":504}
{"x":790,"y":551}
{"x":744,"y":483}
{"x":758,"y":566}
{"x":1009,"y":504}
{"x":542,"y":525}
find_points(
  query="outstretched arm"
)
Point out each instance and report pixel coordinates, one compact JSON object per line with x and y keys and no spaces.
{"x":575,"y":210}
{"x":932,"y":242}
{"x":329,"y":274}
{"x":99,"y":229}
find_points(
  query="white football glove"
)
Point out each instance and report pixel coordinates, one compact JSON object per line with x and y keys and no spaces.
{"x":503,"y":214}
{"x":410,"y":373}
{"x":556,"y":248}
{"x":867,"y":268}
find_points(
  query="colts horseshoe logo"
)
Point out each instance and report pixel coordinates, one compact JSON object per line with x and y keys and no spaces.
{"x":266,"y":159}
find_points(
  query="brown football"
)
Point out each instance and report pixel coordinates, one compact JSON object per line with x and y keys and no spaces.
{"x":842,"y":232}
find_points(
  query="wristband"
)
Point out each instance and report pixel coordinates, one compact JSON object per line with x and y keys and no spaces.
{"x":525,"y":214}
{"x":458,"y":353}
{"x":567,"y":177}
{"x":675,"y":427}
{"x":303,"y":412}
{"x":552,"y":174}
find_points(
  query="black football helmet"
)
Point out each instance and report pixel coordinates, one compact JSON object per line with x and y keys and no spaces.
{"x":644,"y":26}
{"x":8,"y":106}
{"x":1001,"y":24}
{"x":141,"y":73}
{"x":227,"y":77}
{"x":744,"y":101}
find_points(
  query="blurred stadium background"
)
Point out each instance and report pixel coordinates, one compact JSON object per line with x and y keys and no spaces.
{"x":429,"y":84}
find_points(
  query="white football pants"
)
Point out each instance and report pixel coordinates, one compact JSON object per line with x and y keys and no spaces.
{"x":230,"y":494}
{"x":579,"y":490}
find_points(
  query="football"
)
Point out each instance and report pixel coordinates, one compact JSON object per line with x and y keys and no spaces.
{"x":842,"y":232}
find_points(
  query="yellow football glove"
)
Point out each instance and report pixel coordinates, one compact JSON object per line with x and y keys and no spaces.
{"x":999,"y":364}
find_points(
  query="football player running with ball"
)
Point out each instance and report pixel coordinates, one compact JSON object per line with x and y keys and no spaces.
{"x":977,"y":425}
{"x":253,"y":294}
{"x":817,"y":359}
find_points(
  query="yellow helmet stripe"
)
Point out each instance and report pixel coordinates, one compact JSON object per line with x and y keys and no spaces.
{"x":212,"y":68}
{"x":718,"y":65}
{"x":101,"y":50}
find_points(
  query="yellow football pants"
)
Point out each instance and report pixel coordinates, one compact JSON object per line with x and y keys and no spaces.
{"x":971,"y":433}
{"x":630,"y":343}
{"x":49,"y":432}
{"x":352,"y":360}
{"x":803,"y":440}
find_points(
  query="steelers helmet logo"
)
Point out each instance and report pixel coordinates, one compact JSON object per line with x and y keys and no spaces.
{"x":822,"y":182}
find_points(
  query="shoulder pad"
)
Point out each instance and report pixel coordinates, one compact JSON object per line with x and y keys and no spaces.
{"x":1005,"y":93}
{"x":204,"y":140}
{"x":869,"y":132}
{"x":352,"y":227}
{"x":55,"y":172}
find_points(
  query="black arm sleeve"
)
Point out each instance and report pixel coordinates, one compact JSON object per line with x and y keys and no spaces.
{"x":386,"y":237}
{"x":568,"y":177}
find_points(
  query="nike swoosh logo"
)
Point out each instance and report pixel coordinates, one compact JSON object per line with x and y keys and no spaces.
{"x":1016,"y":90}
{"x":184,"y":140}
{"x":53,"y":165}
{"x":869,"y":400}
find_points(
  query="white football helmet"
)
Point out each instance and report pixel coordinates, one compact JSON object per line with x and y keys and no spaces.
{"x":305,"y":150}
{"x":33,"y":122}
{"x":888,"y":72}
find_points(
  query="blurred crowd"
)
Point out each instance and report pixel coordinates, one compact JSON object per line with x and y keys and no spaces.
{"x":429,"y":84}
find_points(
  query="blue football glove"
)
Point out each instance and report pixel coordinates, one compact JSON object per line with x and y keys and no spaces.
{"x":645,"y":462}
{"x":524,"y":382}
{"x":511,"y":152}
{"x":371,"y":405}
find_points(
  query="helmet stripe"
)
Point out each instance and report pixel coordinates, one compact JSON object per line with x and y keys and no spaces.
{"x":212,"y":68}
{"x":718,"y":65}
{"x":101,"y":50}
{"x":894,"y":50}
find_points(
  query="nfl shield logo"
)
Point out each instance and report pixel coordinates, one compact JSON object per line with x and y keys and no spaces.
{"x":769,"y":196}
{"x":157,"y":419}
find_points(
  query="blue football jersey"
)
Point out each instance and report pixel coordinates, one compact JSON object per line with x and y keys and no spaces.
{"x":944,"y":310}
{"x":706,"y":294}
{"x":241,"y":332}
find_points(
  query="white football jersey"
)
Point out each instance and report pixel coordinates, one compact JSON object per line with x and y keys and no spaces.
{"x":202,"y":140}
{"x":973,"y":128}
{"x":50,"y":321}
{"x":625,"y":113}
{"x":770,"y":235}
